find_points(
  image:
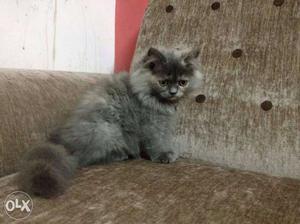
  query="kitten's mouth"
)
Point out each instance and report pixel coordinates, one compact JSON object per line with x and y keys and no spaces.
{"x":166,"y":99}
{"x":173,"y":99}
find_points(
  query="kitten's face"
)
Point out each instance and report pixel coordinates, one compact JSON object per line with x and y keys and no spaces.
{"x":170,"y":86}
{"x":172,"y":75}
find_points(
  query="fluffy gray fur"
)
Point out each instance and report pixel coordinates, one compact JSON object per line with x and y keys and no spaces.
{"x":124,"y":116}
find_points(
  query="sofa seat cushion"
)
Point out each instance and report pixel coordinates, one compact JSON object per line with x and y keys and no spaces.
{"x":182,"y":192}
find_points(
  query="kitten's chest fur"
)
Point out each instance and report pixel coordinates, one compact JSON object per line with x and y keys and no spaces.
{"x":137,"y":121}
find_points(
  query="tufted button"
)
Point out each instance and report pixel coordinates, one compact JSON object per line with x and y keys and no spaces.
{"x":266,"y":105}
{"x":278,"y":2}
{"x":237,"y":53}
{"x":200,"y":98}
{"x":215,"y":5}
{"x":169,"y":8}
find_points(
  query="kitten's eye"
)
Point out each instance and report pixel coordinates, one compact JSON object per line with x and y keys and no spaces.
{"x":151,"y":65}
{"x":182,"y":82}
{"x":163,"y":83}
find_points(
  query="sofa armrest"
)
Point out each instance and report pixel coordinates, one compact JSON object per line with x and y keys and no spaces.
{"x":32,"y":103}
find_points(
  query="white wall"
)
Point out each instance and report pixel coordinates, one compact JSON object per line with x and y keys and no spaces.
{"x":70,"y":35}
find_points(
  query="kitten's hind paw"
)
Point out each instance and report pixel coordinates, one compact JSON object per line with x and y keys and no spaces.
{"x":166,"y":157}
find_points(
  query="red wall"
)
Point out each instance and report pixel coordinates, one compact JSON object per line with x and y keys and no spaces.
{"x":129,"y":16}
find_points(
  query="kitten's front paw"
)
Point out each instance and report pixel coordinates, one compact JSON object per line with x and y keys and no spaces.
{"x":166,"y":157}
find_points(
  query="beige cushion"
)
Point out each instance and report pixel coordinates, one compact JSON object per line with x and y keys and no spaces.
{"x":32,"y":103}
{"x":182,"y":192}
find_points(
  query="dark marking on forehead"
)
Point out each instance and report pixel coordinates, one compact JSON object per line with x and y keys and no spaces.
{"x":173,"y":69}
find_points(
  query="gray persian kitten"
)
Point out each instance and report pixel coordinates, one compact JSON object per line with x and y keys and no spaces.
{"x":124,"y":117}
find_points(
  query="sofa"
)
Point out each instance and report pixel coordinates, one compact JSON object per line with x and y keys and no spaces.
{"x":239,"y":135}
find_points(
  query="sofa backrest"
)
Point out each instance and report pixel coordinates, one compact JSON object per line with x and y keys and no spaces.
{"x":247,"y":114}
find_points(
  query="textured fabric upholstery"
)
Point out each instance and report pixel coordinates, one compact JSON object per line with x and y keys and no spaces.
{"x":35,"y":102}
{"x":32,"y":103}
{"x":247,"y":113}
{"x":184,"y":192}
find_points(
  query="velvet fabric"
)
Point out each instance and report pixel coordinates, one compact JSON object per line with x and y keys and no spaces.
{"x":32,"y":104}
{"x":181,"y":192}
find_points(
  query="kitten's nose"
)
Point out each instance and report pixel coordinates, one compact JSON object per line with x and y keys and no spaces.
{"x":173,"y":91}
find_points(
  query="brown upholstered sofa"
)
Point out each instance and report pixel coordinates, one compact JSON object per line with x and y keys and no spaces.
{"x":32,"y":103}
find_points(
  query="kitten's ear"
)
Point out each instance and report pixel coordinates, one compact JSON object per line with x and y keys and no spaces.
{"x":154,"y":59}
{"x":190,"y":56}
{"x":155,"y":53}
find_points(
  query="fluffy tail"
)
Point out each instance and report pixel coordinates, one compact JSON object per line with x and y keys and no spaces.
{"x":46,"y":171}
